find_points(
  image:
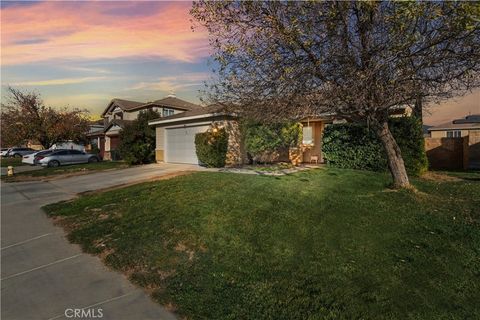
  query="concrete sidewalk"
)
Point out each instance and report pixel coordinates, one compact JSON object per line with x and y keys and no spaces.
{"x":44,"y":276}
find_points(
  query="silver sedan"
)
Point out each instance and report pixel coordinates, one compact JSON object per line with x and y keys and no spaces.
{"x":63,"y":157}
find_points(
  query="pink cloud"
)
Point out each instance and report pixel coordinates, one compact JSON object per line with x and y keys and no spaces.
{"x":92,"y":30}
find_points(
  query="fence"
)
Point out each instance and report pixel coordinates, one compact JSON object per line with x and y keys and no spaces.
{"x":454,"y":153}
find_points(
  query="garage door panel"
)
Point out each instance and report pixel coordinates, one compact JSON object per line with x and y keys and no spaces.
{"x":180,"y":146}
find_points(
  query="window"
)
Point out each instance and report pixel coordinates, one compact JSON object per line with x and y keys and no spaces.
{"x":75,"y":152}
{"x":61,"y":153}
{"x":307,"y":135}
{"x":454,"y":134}
{"x":167,"y":112}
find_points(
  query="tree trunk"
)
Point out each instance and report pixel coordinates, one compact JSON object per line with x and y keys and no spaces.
{"x":418,"y":108}
{"x":394,"y":156}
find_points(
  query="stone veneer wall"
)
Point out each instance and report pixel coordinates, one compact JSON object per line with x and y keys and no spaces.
{"x":236,"y":155}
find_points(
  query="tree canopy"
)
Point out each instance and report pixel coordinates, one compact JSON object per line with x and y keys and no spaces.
{"x":24,"y":117}
{"x":356,"y":60}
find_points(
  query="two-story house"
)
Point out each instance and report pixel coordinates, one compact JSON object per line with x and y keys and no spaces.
{"x":120,"y":112}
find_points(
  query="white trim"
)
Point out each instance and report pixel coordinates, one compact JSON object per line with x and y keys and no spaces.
{"x":201,"y":116}
{"x":196,"y":124}
{"x":165,"y":146}
{"x":454,"y":128}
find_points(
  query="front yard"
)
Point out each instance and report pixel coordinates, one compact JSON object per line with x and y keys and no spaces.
{"x":68,"y":170}
{"x":321,"y":244}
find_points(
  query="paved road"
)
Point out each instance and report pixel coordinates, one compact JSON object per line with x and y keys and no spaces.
{"x":43,"y":275}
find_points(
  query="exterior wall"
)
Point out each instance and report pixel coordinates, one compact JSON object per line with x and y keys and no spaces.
{"x":102,"y":147}
{"x":454,"y":153}
{"x":111,"y":143}
{"x":236,"y":154}
{"x":443,"y":133}
{"x":445,"y":153}
{"x":316,"y":148}
{"x":107,"y":143}
{"x":159,"y":148}
{"x":130,"y":115}
{"x":473,"y":150}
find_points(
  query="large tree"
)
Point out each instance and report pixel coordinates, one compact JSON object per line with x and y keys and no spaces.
{"x":24,"y":117}
{"x":357,"y":60}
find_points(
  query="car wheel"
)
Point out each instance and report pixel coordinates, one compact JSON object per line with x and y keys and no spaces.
{"x":54,"y":164}
{"x":92,"y":160}
{"x":16,"y":155}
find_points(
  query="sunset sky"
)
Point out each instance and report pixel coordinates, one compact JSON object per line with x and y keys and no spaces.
{"x":83,"y":54}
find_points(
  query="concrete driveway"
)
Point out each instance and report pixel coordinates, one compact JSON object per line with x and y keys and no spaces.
{"x":44,"y":276}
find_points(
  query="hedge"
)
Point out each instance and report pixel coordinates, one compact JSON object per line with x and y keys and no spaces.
{"x":211,"y":148}
{"x":356,"y":146}
{"x":264,"y":140}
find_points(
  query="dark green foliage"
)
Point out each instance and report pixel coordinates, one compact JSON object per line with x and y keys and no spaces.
{"x":408,"y":133}
{"x":321,"y":244}
{"x":211,"y":148}
{"x":137,"y":139}
{"x":356,"y":146}
{"x":261,"y":140}
{"x":95,"y":150}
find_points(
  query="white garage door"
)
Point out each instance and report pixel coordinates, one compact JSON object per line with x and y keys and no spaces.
{"x":180,"y":144}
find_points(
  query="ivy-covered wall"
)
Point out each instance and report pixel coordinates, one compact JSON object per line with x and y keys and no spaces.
{"x":356,"y":146}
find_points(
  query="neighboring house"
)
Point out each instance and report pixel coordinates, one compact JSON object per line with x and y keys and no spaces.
{"x":456,"y":128}
{"x":455,"y":144}
{"x":119,"y":113}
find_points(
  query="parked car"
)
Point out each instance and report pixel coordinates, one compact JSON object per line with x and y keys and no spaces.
{"x":3,"y":152}
{"x":19,"y":152}
{"x":63,"y":157}
{"x":68,"y":145}
{"x":31,"y":158}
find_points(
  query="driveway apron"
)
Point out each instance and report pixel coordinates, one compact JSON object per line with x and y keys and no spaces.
{"x":44,"y":276}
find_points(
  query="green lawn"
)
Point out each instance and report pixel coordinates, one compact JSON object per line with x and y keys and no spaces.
{"x":63,"y":170}
{"x":15,"y":162}
{"x":322,"y":244}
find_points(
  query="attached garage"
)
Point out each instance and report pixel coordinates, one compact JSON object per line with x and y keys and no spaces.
{"x":175,"y":135}
{"x":180,"y":143}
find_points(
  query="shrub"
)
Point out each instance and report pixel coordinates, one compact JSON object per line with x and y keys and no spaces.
{"x":265,"y":141}
{"x":356,"y":146}
{"x":137,"y":139}
{"x":211,"y":148}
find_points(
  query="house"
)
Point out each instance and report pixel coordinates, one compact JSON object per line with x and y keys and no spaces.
{"x":175,"y":136}
{"x":120,"y":112}
{"x":456,"y":128}
{"x":455,"y":144}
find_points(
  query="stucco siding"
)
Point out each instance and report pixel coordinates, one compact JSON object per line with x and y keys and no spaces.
{"x":316,"y":148}
{"x":160,"y":134}
{"x":443,"y":133}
